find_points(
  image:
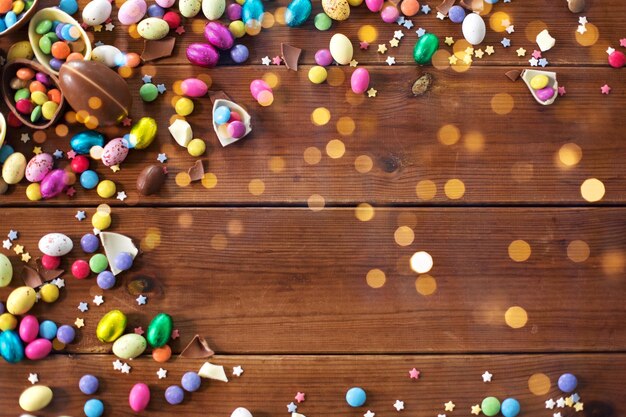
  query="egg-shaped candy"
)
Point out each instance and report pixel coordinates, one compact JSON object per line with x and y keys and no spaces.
{"x":29,"y":328}
{"x":82,"y":142}
{"x":111,"y":326}
{"x":38,"y":167}
{"x":374,"y":5}
{"x":252,"y":10}
{"x":109,"y":55}
{"x":424,"y":48}
{"x":38,"y":349}
{"x":202,"y":54}
{"x":129,"y":346}
{"x":360,"y":80}
{"x":142,"y":133}
{"x":410,"y":7}
{"x":194,"y":87}
{"x":21,"y":300}
{"x":341,"y":48}
{"x":13,"y":168}
{"x":55,"y":244}
{"x":257,"y":86}
{"x":115,"y":152}
{"x":35,"y":398}
{"x":218,"y":35}
{"x":139,"y":397}
{"x":213,"y":9}
{"x":153,"y":28}
{"x":336,"y":9}
{"x":11,"y":347}
{"x":6,"y":271}
{"x":159,"y":330}
{"x":54,"y":183}
{"x":474,"y":29}
{"x":131,"y":11}
{"x":165,"y":3}
{"x":298,"y":11}
{"x":96,"y":12}
{"x":189,"y":8}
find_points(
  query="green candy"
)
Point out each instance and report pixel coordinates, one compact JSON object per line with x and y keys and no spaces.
{"x":159,"y":330}
{"x":43,"y":27}
{"x":425,"y":48}
{"x":322,"y":21}
{"x":98,"y":263}
{"x":22,"y":93}
{"x":148,"y":92}
{"x":35,"y":114}
{"x":46,"y":41}
{"x":490,"y":406}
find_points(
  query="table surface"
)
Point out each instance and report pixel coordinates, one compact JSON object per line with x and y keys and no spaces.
{"x":292,"y":255}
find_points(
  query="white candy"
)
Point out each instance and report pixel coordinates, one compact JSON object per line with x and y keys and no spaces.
{"x":545,"y":41}
{"x":181,"y":132}
{"x":211,"y":371}
{"x":55,"y":244}
{"x":109,"y":55}
{"x":96,"y":12}
{"x":241,"y":412}
{"x":474,"y":29}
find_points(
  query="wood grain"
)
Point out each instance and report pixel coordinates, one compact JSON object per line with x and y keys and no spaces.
{"x":294,"y":281}
{"x":269,"y":383}
{"x":518,"y":162}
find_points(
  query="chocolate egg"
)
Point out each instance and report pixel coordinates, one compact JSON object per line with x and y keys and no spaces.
{"x":150,"y":180}
{"x":93,"y":87}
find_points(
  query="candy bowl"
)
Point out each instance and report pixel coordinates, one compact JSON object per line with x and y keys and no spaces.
{"x":50,"y":46}
{"x":34,"y":100}
{"x":3,"y":129}
{"x":553,"y":85}
{"x":238,"y":117}
{"x":22,"y":18}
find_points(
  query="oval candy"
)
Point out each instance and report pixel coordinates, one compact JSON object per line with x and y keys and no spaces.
{"x":13,"y":168}
{"x":360,"y":80}
{"x":54,"y":183}
{"x":82,"y":142}
{"x":6,"y":271}
{"x":21,"y":300}
{"x":336,"y":9}
{"x":252,"y":10}
{"x":139,"y":397}
{"x":129,"y":346}
{"x":150,"y":180}
{"x":38,"y":349}
{"x":153,"y":28}
{"x":298,"y":11}
{"x":35,"y":398}
{"x":11,"y":347}
{"x":109,"y":55}
{"x":202,"y":54}
{"x":29,"y":328}
{"x":341,"y":49}
{"x":143,"y":133}
{"x":425,"y":47}
{"x":473,"y":28}
{"x":189,"y":8}
{"x":213,"y":9}
{"x":96,"y":12}
{"x":39,"y":166}
{"x":159,"y":330}
{"x":111,"y":326}
{"x":131,"y":11}
{"x":55,"y":244}
{"x":114,"y":152}
{"x":218,"y":35}
{"x":194,"y":87}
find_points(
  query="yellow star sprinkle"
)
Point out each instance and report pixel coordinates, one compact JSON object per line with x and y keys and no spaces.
{"x":26,"y":257}
{"x":476,"y":409}
{"x":479,"y":53}
{"x":394,"y":43}
{"x":521,"y":52}
{"x":79,"y":323}
{"x":354,"y":63}
{"x":19,"y":249}
{"x":449,"y":40}
{"x":469,"y":51}
{"x":449,"y":406}
{"x":578,"y":407}
{"x":467,"y":59}
{"x":97,"y":28}
{"x":115,"y":167}
{"x":372,"y":92}
{"x":453,"y":59}
{"x":569,"y":402}
{"x":37,"y":150}
{"x":382,"y":48}
{"x":489,"y":50}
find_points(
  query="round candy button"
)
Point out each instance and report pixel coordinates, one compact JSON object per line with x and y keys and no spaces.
{"x":88,"y":384}
{"x":90,"y":243}
{"x":174,"y":394}
{"x":93,"y":408}
{"x":98,"y":263}
{"x":355,"y":397}
{"x":80,"y":269}
{"x":106,"y":280}
{"x":567,"y":382}
{"x":510,"y":407}
{"x":190,"y":381}
{"x":490,"y":406}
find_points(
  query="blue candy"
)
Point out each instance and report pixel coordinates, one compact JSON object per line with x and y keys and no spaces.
{"x":89,"y":243}
{"x":68,"y":6}
{"x":221,"y":115}
{"x":510,"y":407}
{"x":190,"y":381}
{"x":491,"y":1}
{"x":48,"y":329}
{"x":239,"y":53}
{"x":174,"y":394}
{"x":93,"y":408}
{"x":355,"y":397}
{"x":82,"y":142}
{"x":123,"y":261}
{"x":106,"y":280}
{"x":567,"y":382}
{"x":3,"y":26}
{"x":456,"y":14}
{"x":67,"y":35}
{"x":252,"y":10}
{"x":88,"y":384}
{"x":10,"y":19}
{"x":11,"y":347}
{"x":89,"y":179}
{"x":5,"y":151}
{"x":156,"y":11}
{"x":298,"y":12}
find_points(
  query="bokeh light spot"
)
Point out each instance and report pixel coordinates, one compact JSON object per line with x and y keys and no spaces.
{"x":312,"y":155}
{"x":448,"y":134}
{"x":426,"y":190}
{"x":502,"y":103}
{"x":375,"y":278}
{"x":364,"y":212}
{"x":570,"y":154}
{"x":316,"y":202}
{"x":516,"y":317}
{"x":256,"y":187}
{"x":454,"y":189}
{"x":335,"y":148}
{"x":404,"y":236}
{"x":425,"y":285}
{"x":363,"y":164}
{"x":320,"y":116}
{"x":421,"y":262}
{"x":519,"y":250}
{"x":578,"y":251}
{"x":592,"y":190}
{"x":539,"y":384}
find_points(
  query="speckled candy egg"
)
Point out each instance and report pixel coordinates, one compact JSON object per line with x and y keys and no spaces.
{"x":54,"y":183}
{"x":115,"y":152}
{"x":202,"y":54}
{"x":129,"y":346}
{"x":13,"y":168}
{"x":21,"y":300}
{"x":153,"y":28}
{"x":6,"y":271}
{"x":189,"y":8}
{"x":218,"y":35}
{"x":109,"y":55}
{"x":213,"y":9}
{"x":341,"y":48}
{"x":336,"y":9}
{"x":96,"y":12}
{"x":38,"y":167}
{"x":55,"y":244}
{"x":194,"y":87}
{"x":132,"y":11}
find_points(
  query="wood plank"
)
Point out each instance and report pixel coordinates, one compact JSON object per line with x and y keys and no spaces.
{"x":269,"y":383}
{"x":396,"y":132}
{"x":606,"y":17}
{"x":294,"y":281}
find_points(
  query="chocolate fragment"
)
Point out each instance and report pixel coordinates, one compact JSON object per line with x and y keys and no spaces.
{"x":576,"y":6}
{"x":290,"y":55}
{"x":445,"y":6}
{"x":422,"y":84}
{"x":47,"y":274}
{"x":218,"y":95}
{"x":150,"y":180}
{"x":197,"y":348}
{"x":31,"y":277}
{"x":513,"y":75}
{"x":153,"y":50}
{"x":196,"y":172}
{"x":472,"y":5}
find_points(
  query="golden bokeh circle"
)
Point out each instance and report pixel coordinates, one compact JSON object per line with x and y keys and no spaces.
{"x":61,"y":130}
{"x":421,"y":262}
{"x":335,"y":148}
{"x":345,"y":126}
{"x":335,"y":76}
{"x":592,"y":190}
{"x":312,"y":155}
{"x":363,"y":164}
{"x":539,"y":384}
{"x":279,"y":15}
{"x":197,"y":26}
{"x":375,"y":278}
{"x":177,"y":87}
{"x":364,"y":212}
{"x":276,"y":164}
{"x":320,"y":116}
{"x":39,"y":136}
{"x":570,"y":154}
{"x":272,"y":79}
{"x":367,"y":33}
{"x":454,"y":189}
{"x":533,"y":29}
{"x":613,"y":263}
{"x":474,"y":141}
{"x":316,"y":202}
{"x":516,"y":317}
{"x":235,"y":227}
{"x":448,"y":134}
{"x":502,"y":103}
{"x":578,"y":251}
{"x":94,"y":102}
{"x":185,"y":220}
{"x":206,"y":78}
{"x":267,"y":20}
{"x":441,"y":59}
{"x":183,"y":179}
{"x":209,"y":180}
{"x":519,"y":250}
{"x":426,"y":190}
{"x":219,"y":242}
{"x":404,"y":236}
{"x":495,"y":21}
{"x":256,"y":187}
{"x":425,"y":285}
{"x":590,"y":37}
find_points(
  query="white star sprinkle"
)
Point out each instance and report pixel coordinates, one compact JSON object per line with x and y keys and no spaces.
{"x":162,"y":158}
{"x":162,"y":373}
{"x":125,"y":368}
{"x":399,"y":405}
{"x":117,"y":365}
{"x":266,"y":61}
{"x":440,"y":16}
{"x":24,"y":138}
{"x":237,"y":370}
{"x":98,"y":299}
{"x":487,"y":376}
{"x":121,"y":196}
{"x":59,"y":282}
{"x":141,"y":300}
{"x":82,"y":306}
{"x":550,"y":404}
{"x":7,"y":244}
{"x":80,"y":215}
{"x":33,"y":378}
{"x":398,"y":34}
{"x":390,"y":60}
{"x":582,"y":20}
{"x":560,"y":402}
{"x":369,"y":414}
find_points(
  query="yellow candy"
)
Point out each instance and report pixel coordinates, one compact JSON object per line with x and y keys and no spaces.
{"x":317,"y":74}
{"x":237,"y":28}
{"x":241,"y":2}
{"x":101,"y":220}
{"x":48,"y":109}
{"x":355,"y":3}
{"x":20,"y":50}
{"x":111,"y":326}
{"x":196,"y":147}
{"x":18,"y":7}
{"x":184,"y":107}
{"x":39,"y":97}
{"x":539,"y":81}
{"x":7,"y":322}
{"x":33,"y":192}
{"x":49,"y":293}
{"x":106,"y":189}
{"x":21,"y":300}
{"x":143,"y":133}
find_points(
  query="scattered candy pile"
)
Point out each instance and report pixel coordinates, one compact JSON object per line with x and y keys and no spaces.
{"x":12,"y":12}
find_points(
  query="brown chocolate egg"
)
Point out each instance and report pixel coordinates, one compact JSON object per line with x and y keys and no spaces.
{"x":150,"y":180}
{"x":94,"y":88}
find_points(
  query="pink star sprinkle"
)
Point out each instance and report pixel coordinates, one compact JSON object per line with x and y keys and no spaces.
{"x":562,"y":91}
{"x":536,"y":54}
{"x":175,"y":334}
{"x":71,"y":155}
{"x":127,"y":121}
{"x":165,"y":169}
{"x":70,"y":192}
{"x":605,"y":89}
{"x":180,"y":30}
{"x":622,"y":42}
{"x":414,"y":374}
{"x":276,"y":60}
{"x":139,"y":330}
{"x":299,"y":397}
{"x":364,"y":45}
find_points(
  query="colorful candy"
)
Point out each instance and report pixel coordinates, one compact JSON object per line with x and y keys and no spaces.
{"x":202,"y":54}
{"x":473,"y":28}
{"x":425,"y":47}
{"x":355,"y":397}
{"x":159,"y":330}
{"x":139,"y":397}
{"x":111,"y":326}
{"x":129,"y":346}
{"x":298,"y":11}
{"x":360,"y":80}
{"x":341,"y":49}
{"x":35,"y":398}
{"x":6,"y":271}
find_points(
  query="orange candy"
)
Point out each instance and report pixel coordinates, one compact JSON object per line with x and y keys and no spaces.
{"x":5,"y":5}
{"x":132,"y":60}
{"x":162,"y":354}
{"x":74,"y":56}
{"x":25,"y":74}
{"x":37,"y":86}
{"x":410,"y":7}
{"x":60,"y":50}
{"x":54,"y":95}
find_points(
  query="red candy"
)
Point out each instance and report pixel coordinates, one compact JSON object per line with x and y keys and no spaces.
{"x":80,"y":269}
{"x":24,"y":106}
{"x":617,"y":59}
{"x":50,"y":262}
{"x":172,"y":19}
{"x":13,"y":121}
{"x":234,"y":117}
{"x":79,"y":164}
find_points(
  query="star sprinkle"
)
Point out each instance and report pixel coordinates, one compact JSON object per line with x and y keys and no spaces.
{"x":449,"y":40}
{"x":127,"y":121}
{"x":579,"y":407}
{"x":622,"y":42}
{"x":299,"y":397}
{"x":569,"y":402}
{"x":109,"y":27}
{"x":398,"y":34}
{"x":162,"y":158}
{"x":449,"y":406}
{"x":98,"y":300}
{"x":510,"y":29}
{"x":369,"y":414}
{"x":610,"y":50}
{"x":79,"y":323}
{"x":372,"y":92}
{"x":420,"y":32}
{"x":487,"y":376}
{"x":59,"y":282}
{"x":117,"y":365}
{"x":550,"y":404}
{"x":96,"y":231}
{"x":560,"y":402}
{"x":18,"y":249}
{"x":175,"y":334}
{"x":291,"y":407}
{"x":25,"y":257}
{"x":125,"y":368}
{"x":414,"y":374}
{"x":394,"y":43}
{"x":399,"y":405}
{"x":605,"y":89}
{"x":536,"y":54}
{"x":83,"y":306}
{"x":115,"y":168}
{"x":33,"y":378}
{"x":441,"y":16}
{"x":382,"y":48}
{"x":146,"y":79}
{"x":70,"y":192}
{"x":467,"y":59}
{"x":521,"y":52}
{"x":453,"y":59}
{"x":364,"y":45}
{"x":161,"y":87}
{"x":6,"y":244}
{"x":505,"y":22}
{"x":426,"y":9}
{"x":180,"y":30}
{"x":408,"y":24}
{"x":479,"y":53}
{"x":141,"y":300}
{"x":506,"y":42}
{"x":400,"y":20}
{"x":557,"y":415}
{"x":441,"y":415}
{"x":97,"y":28}
{"x":162,"y":373}
{"x":237,"y":370}
{"x":121,"y":196}
{"x":489,"y":50}
{"x":476,"y":409}
{"x":354,"y":63}
{"x":582,"y":20}
{"x":390,"y":60}
{"x":37,"y":150}
{"x":99,"y":43}
{"x":266,"y":61}
{"x":80,"y":215}
{"x":575,"y":397}
{"x":24,"y":138}
{"x":138,"y":330}
{"x":533,"y":62}
{"x":469,"y":51}
{"x":276,"y":60}
{"x":71,"y":154}
{"x":58,"y":154}
{"x":543,"y":62}
{"x":12,"y":235}
{"x":581,"y":29}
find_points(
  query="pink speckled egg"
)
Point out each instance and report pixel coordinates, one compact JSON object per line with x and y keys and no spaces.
{"x":55,"y":244}
{"x":115,"y":152}
{"x":38,"y":167}
{"x":132,"y":11}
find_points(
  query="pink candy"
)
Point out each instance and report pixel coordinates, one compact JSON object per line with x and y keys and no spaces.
{"x":38,"y":349}
{"x":38,"y":167}
{"x":202,"y":54}
{"x":360,"y":80}
{"x":114,"y":152}
{"x":390,"y":14}
{"x":218,"y":35}
{"x":193,"y":87}
{"x":257,"y":86}
{"x":24,"y":106}
{"x":546,"y":93}
{"x":53,"y":183}
{"x":139,"y":397}
{"x":617,"y":59}
{"x":374,"y":5}
{"x":29,"y":328}
{"x":236,"y":129}
{"x":323,"y":57}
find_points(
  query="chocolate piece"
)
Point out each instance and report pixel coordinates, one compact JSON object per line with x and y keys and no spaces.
{"x":422,"y":84}
{"x":31,"y":277}
{"x":290,"y":55}
{"x":150,"y":180}
{"x":81,"y":81}
{"x":196,"y":172}
{"x":576,"y":6}
{"x":153,"y":50}
{"x":472,"y":5}
{"x":218,"y":95}
{"x":197,"y":348}
{"x":445,"y":6}
{"x":513,"y":75}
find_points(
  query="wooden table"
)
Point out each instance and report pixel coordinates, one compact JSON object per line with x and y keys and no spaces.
{"x":292,"y":256}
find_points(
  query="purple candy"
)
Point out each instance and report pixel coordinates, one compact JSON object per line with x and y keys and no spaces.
{"x":1,"y":307}
{"x":106,"y":280}
{"x":236,"y":129}
{"x":55,"y":64}
{"x":218,"y":35}
{"x":90,"y":243}
{"x":323,"y":57}
{"x":123,"y":261}
{"x":239,"y":53}
{"x":66,"y":334}
{"x":546,"y":93}
{"x":54,"y":183}
{"x":58,"y":29}
{"x":43,"y":78}
{"x":202,"y":54}
{"x":390,"y":14}
{"x":456,"y":14}
{"x":88,"y":384}
{"x":233,"y":11}
{"x":155,"y":10}
{"x":174,"y":394}
{"x":190,"y":381}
